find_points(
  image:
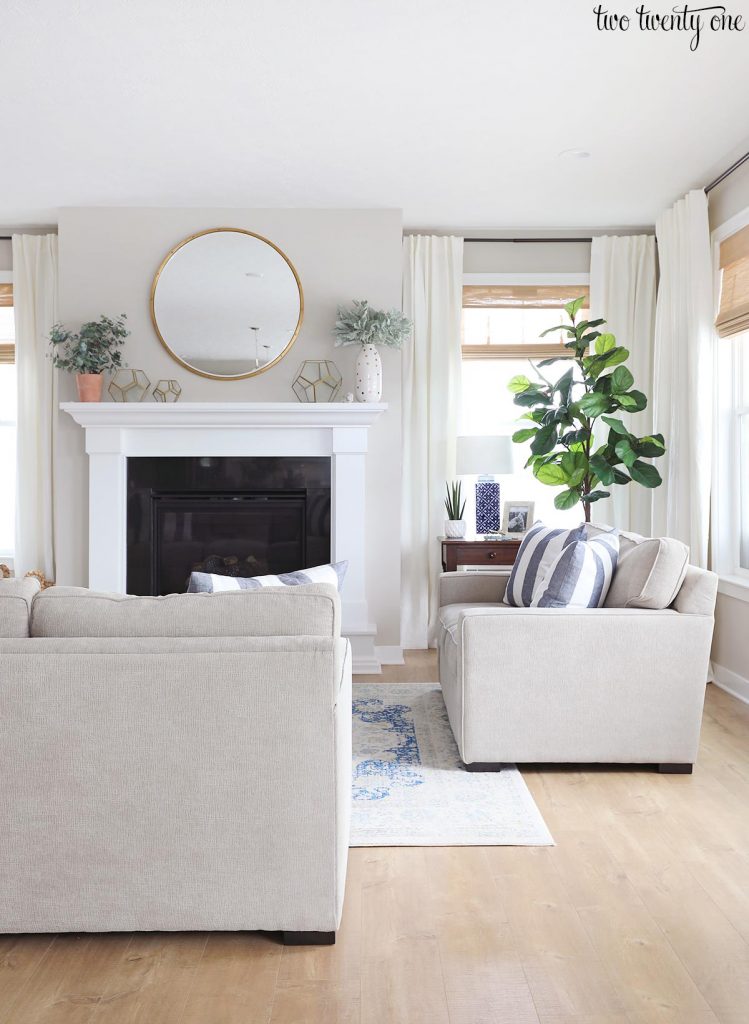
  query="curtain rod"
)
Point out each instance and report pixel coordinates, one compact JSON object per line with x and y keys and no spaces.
{"x":729,"y":170}
{"x":524,"y":241}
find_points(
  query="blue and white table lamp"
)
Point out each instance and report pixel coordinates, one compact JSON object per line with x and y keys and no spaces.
{"x":485,"y":457}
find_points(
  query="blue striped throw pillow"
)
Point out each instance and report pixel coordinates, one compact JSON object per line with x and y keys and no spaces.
{"x":211,"y":582}
{"x":580,"y":575}
{"x":540,"y":548}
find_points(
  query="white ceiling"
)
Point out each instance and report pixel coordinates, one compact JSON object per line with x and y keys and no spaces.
{"x":453,"y":111}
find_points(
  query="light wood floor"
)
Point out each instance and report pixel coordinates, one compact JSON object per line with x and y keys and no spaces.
{"x":639,"y":915}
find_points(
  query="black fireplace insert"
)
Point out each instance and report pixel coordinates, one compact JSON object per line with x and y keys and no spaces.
{"x":246,"y":516}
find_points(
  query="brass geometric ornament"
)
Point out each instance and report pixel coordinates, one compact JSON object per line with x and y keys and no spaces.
{"x":167,"y":391}
{"x":318,"y":380}
{"x":129,"y":386}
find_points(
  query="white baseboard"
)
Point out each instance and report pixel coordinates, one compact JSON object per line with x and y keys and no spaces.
{"x":390,"y":655}
{"x":731,"y":682}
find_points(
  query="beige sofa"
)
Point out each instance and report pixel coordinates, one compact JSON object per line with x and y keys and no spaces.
{"x":566,"y":685}
{"x":174,"y":763}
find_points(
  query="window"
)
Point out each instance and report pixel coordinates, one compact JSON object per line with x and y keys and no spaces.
{"x":501,"y":323}
{"x":730,"y":512}
{"x":7,"y":421}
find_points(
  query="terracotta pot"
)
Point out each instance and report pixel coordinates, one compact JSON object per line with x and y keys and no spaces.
{"x":89,"y":386}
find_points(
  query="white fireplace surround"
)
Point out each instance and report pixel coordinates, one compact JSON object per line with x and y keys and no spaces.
{"x":116,"y":431}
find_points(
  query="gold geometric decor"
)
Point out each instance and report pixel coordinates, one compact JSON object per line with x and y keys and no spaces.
{"x":167,"y":391}
{"x":129,"y":386}
{"x":318,"y":380}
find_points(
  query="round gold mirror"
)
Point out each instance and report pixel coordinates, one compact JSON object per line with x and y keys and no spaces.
{"x":227,"y":303}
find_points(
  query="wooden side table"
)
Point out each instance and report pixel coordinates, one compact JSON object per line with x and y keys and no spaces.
{"x":477,"y":552}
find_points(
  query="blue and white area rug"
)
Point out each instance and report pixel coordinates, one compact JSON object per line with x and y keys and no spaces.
{"x":410,"y":788}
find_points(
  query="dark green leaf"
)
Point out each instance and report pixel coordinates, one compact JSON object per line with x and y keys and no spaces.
{"x":559,"y":327}
{"x":626,"y":452}
{"x":544,"y":440}
{"x":650,"y":447}
{"x":616,"y":425}
{"x":530,"y":397}
{"x":645,"y":474}
{"x":553,"y":359}
{"x":594,"y":404}
{"x":595,"y":496}
{"x":602,"y":469}
{"x":620,"y":477}
{"x":634,"y":401}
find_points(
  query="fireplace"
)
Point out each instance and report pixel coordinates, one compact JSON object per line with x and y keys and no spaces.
{"x":245,"y":516}
{"x":332,"y":436}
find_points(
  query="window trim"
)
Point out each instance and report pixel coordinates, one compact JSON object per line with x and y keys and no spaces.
{"x":539,"y":350}
{"x":726,"y":500}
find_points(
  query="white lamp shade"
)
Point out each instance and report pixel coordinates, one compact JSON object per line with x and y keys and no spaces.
{"x":477,"y":456}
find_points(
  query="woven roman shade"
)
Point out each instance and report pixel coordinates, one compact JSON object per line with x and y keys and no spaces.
{"x":522,"y":296}
{"x":7,"y":351}
{"x":733,"y":313}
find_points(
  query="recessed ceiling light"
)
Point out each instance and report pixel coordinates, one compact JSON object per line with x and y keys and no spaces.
{"x":575,"y":154}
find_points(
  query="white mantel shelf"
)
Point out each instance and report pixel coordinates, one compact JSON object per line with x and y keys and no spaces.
{"x":117,"y":431}
{"x":222,"y":414}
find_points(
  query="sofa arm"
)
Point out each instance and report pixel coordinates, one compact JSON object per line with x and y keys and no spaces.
{"x":472,"y":587}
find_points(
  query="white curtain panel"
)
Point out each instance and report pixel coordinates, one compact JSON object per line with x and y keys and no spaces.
{"x":35,"y":309}
{"x":432,"y":298}
{"x":683,"y":369}
{"x":622,"y":291}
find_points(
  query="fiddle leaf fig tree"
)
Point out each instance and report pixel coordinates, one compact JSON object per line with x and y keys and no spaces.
{"x":569,"y":418}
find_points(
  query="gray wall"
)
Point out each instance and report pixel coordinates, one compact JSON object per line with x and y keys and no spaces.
{"x":731,"y":642}
{"x":107,"y":261}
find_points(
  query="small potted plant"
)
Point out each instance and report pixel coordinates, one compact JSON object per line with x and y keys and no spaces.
{"x":455,"y":506}
{"x":359,"y":324}
{"x":89,"y":353}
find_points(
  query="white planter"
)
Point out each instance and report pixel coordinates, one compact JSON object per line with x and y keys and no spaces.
{"x":455,"y":528}
{"x":368,"y":374}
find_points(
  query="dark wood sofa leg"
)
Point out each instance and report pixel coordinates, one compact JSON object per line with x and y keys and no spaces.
{"x":308,"y":938}
{"x":484,"y":766}
{"x":675,"y":769}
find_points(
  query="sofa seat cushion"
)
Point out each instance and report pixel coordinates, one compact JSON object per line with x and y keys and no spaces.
{"x":16,"y":597}
{"x":650,"y":571}
{"x":308,"y":610}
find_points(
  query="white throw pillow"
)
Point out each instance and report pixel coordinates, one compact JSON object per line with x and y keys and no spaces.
{"x":210,"y":582}
{"x":650,"y":570}
{"x":541,"y":546}
{"x":580,"y":575}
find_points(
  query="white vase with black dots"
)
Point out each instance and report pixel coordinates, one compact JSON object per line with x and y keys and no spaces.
{"x":368,"y":374}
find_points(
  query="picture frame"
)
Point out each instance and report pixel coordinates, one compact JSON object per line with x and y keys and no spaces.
{"x":517,"y":517}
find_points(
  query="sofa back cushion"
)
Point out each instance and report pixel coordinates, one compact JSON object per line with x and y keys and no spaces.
{"x":308,"y":610}
{"x":650,"y":572}
{"x":16,"y":597}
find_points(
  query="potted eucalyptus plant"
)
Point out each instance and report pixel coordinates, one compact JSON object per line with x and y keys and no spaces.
{"x":359,"y":324}
{"x":89,"y":353}
{"x":455,"y":507}
{"x":578,"y":439}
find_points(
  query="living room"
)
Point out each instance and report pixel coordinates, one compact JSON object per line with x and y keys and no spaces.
{"x":374,"y":514}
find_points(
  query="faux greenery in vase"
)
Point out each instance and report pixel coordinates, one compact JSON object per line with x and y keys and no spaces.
{"x":359,"y":324}
{"x":455,"y":508}
{"x":89,"y":353}
{"x":578,"y":439}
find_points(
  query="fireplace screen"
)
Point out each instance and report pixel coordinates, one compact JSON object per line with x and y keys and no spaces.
{"x":235,"y":517}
